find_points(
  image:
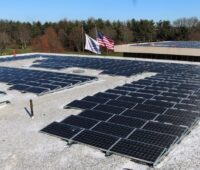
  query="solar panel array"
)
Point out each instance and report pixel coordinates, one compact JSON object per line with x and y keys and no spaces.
{"x":141,"y":120}
{"x":17,"y":58}
{"x":171,"y":44}
{"x":40,"y":82}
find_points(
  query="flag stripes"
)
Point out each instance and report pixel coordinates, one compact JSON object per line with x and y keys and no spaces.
{"x":105,"y":41}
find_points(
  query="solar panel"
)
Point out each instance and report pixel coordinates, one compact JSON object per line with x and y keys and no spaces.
{"x":165,"y":128}
{"x":36,"y":90}
{"x":109,"y":109}
{"x":39,"y":82}
{"x":165,"y":98}
{"x":113,"y":129}
{"x":96,"y":139}
{"x":182,"y":113}
{"x":127,"y":121}
{"x":93,"y":114}
{"x":61,"y":130}
{"x":138,"y":151}
{"x":141,"y":95}
{"x":150,"y":108}
{"x":153,"y":138}
{"x":187,"y":107}
{"x":118,"y":92}
{"x":122,"y":104}
{"x":95,"y":99}
{"x":139,"y":114}
{"x":80,"y":104}
{"x":159,"y":103}
{"x":81,"y":122}
{"x":106,"y":95}
{"x":176,"y":120}
{"x":131,"y":99}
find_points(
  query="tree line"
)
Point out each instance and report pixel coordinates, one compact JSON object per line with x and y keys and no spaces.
{"x":67,"y":35}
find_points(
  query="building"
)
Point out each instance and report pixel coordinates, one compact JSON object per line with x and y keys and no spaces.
{"x":171,"y":50}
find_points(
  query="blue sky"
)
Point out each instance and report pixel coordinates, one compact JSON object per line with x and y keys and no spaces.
{"x":55,"y":10}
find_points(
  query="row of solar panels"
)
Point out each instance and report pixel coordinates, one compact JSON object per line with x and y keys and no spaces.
{"x":173,"y":44}
{"x":140,"y":120}
{"x":16,"y":58}
{"x":40,"y":82}
{"x":112,"y":66}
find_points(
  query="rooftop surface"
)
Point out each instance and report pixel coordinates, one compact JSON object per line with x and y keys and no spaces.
{"x":171,"y":44}
{"x":24,"y":147}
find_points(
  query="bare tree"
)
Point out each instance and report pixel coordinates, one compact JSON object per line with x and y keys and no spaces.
{"x":76,"y":38}
{"x":4,"y":41}
{"x":24,"y":36}
{"x":186,"y":22}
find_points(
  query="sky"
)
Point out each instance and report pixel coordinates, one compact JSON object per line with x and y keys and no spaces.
{"x":55,"y":10}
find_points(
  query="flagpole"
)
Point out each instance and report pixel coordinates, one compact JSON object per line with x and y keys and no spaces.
{"x":82,"y":38}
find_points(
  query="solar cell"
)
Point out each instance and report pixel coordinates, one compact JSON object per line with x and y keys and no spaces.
{"x":109,"y":109}
{"x":153,"y":138}
{"x":127,"y":121}
{"x":95,"y":115}
{"x":139,"y":114}
{"x":131,"y":99}
{"x":81,"y":122}
{"x":176,"y":120}
{"x":115,"y":91}
{"x":182,"y":113}
{"x":80,"y":104}
{"x":165,"y":98}
{"x":95,"y":99}
{"x":150,"y":108}
{"x":138,"y":151}
{"x":165,"y":128}
{"x":141,"y":95}
{"x":122,"y":104}
{"x":106,"y":95}
{"x":96,"y":139}
{"x":61,"y":130}
{"x":113,"y":129}
{"x":159,"y":103}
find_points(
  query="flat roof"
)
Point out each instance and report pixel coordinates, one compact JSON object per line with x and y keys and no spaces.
{"x":182,"y":48}
{"x":171,"y":44}
{"x":32,"y":147}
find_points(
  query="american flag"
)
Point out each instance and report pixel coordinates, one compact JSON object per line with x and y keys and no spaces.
{"x":105,"y":41}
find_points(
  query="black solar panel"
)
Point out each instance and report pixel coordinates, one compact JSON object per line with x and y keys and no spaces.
{"x":106,"y":95}
{"x":165,"y":98}
{"x":139,"y":114}
{"x":81,"y":122}
{"x":131,"y":99}
{"x":150,"y":108}
{"x":127,"y":121}
{"x":113,"y":129}
{"x":188,"y":107}
{"x":138,"y":151}
{"x":182,"y":113}
{"x":95,"y":99}
{"x":39,"y":82}
{"x":123,"y":104}
{"x":96,"y":139}
{"x":164,"y":128}
{"x":109,"y":109}
{"x":141,"y":95}
{"x":159,"y":103}
{"x":61,"y":130}
{"x":115,"y":91}
{"x":153,"y":138}
{"x":80,"y":104}
{"x":93,"y":114}
{"x":176,"y":120}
